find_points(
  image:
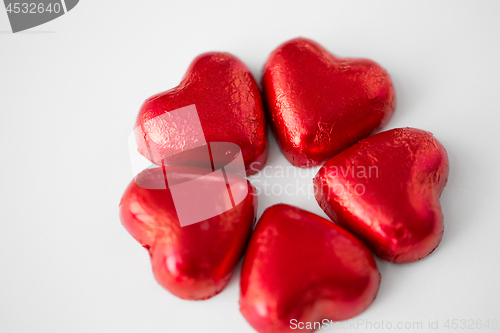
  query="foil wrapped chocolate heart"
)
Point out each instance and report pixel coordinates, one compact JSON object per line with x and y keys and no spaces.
{"x":228,"y":104}
{"x":385,"y":189}
{"x":194,"y":261}
{"x":320,"y":104}
{"x":301,"y":268}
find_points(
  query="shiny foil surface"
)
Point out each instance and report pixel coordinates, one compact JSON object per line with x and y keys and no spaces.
{"x":195,"y":261}
{"x":301,"y":266}
{"x":385,"y":190}
{"x":320,"y":104}
{"x":229,"y":107}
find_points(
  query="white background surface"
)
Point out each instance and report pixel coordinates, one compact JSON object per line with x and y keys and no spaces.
{"x":69,"y":94}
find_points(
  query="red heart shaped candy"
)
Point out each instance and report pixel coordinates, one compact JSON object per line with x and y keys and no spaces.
{"x":385,"y":190}
{"x":229,"y":107}
{"x":194,"y":261}
{"x":301,"y":268}
{"x":321,"y":104}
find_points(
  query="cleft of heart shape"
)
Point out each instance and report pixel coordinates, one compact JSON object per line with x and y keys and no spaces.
{"x":320,"y":104}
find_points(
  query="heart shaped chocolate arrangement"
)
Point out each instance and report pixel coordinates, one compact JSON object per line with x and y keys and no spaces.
{"x":208,"y":132}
